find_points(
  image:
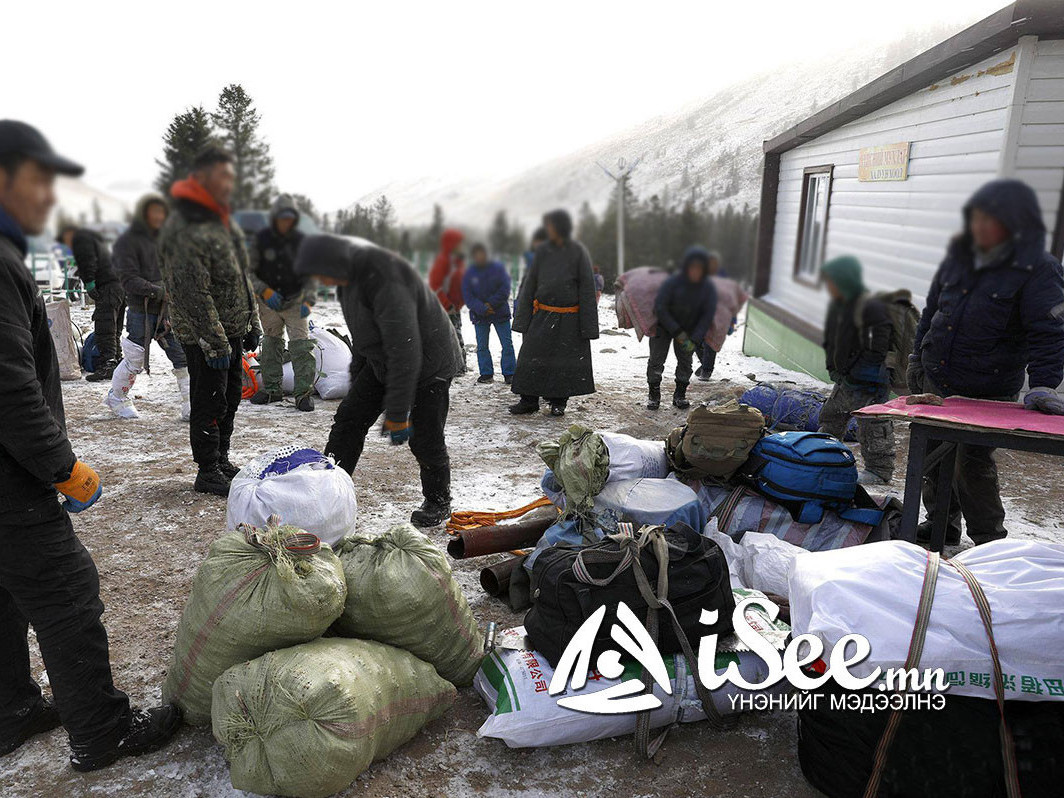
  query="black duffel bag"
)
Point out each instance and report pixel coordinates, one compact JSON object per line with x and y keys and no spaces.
{"x":568,"y":584}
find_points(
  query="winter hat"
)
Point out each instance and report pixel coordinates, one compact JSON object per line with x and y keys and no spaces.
{"x":561,"y":221}
{"x":845,"y":272}
{"x":326,"y":255}
{"x":1014,"y":204}
{"x":696,"y":253}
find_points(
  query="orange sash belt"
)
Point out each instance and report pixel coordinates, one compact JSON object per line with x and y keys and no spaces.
{"x":537,"y":306}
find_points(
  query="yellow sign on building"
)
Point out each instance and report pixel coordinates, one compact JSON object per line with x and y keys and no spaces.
{"x":885,"y":162}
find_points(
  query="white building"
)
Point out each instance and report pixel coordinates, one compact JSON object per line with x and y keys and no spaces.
{"x":883,"y":173}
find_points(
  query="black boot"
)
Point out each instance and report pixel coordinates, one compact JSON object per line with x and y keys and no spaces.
{"x":264,"y":397}
{"x":305,"y":403}
{"x":484,"y":379}
{"x":147,"y":730}
{"x":36,"y":720}
{"x":557,"y":408}
{"x":524,"y":407}
{"x":227,"y":468}
{"x":679,"y":396}
{"x":923,"y":533}
{"x":212,"y":480}
{"x":104,"y":371}
{"x":431,"y":513}
{"x":654,"y":397}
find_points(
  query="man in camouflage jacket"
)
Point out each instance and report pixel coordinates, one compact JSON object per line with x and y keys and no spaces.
{"x":205,"y":267}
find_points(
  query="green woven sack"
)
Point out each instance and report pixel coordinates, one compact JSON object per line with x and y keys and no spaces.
{"x":306,"y":721}
{"x":258,"y":589}
{"x":580,"y":461}
{"x":401,"y":592}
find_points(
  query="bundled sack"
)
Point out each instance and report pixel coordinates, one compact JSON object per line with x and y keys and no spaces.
{"x":953,"y":751}
{"x":740,"y":509}
{"x":874,"y":590}
{"x":332,"y":360}
{"x":514,"y":684}
{"x":715,"y":441}
{"x":730,"y":300}
{"x":791,"y":408}
{"x":61,"y":329}
{"x":756,"y":560}
{"x":303,"y":487}
{"x":258,"y":590}
{"x":583,"y":461}
{"x":569,"y":584}
{"x":306,"y":721}
{"x":808,"y":472}
{"x":402,"y":593}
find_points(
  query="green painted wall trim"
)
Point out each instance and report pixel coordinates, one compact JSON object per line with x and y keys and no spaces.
{"x":770,"y":339}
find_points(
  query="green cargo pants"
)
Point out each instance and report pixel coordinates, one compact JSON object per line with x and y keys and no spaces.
{"x":300,"y":346}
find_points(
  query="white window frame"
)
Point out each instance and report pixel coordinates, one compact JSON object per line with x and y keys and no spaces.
{"x":813,"y":223}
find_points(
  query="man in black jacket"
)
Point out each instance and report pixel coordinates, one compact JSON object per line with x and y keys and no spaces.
{"x":47,"y":578}
{"x":995,"y":310}
{"x":405,"y":355}
{"x":93,"y":260}
{"x":285,"y":299}
{"x":136,"y":259}
{"x":857,"y":337}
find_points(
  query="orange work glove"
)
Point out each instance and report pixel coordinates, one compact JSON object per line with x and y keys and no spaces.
{"x":82,"y":488}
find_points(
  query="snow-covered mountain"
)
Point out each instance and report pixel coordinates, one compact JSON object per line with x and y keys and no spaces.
{"x":78,"y":201}
{"x":711,"y":147}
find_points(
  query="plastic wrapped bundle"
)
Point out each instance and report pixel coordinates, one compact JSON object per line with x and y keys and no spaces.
{"x":306,"y":721}
{"x":403,"y":593}
{"x":258,"y":590}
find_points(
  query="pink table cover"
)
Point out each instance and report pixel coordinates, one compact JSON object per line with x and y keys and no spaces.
{"x":983,"y":413}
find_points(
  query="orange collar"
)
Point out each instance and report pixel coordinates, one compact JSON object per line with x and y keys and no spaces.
{"x":191,"y":189}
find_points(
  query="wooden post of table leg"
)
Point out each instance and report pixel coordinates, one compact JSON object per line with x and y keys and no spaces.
{"x":943,"y":496}
{"x":914,"y":473}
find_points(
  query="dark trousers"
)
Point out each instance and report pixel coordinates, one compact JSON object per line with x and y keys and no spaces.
{"x":659,"y":351}
{"x":137,"y":322}
{"x":49,"y":580}
{"x":364,"y":404}
{"x":456,"y":321}
{"x":707,"y":357}
{"x":214,"y":395}
{"x":107,"y":317}
{"x":975,"y":492}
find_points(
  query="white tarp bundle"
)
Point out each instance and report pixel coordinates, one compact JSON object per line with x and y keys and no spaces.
{"x":301,"y":486}
{"x":332,"y":359}
{"x":874,"y":590}
{"x":759,"y":561}
{"x":632,"y":458}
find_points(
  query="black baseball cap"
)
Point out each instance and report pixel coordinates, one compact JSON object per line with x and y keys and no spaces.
{"x":18,"y":138}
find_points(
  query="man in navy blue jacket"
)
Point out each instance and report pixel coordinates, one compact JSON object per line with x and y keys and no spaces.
{"x":486,"y":290}
{"x":995,"y":309}
{"x":685,"y":307}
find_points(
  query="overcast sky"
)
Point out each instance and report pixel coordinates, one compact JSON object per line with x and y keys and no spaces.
{"x":355,"y":94}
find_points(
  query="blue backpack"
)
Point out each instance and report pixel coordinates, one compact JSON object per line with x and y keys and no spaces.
{"x":90,"y":353}
{"x":808,"y":472}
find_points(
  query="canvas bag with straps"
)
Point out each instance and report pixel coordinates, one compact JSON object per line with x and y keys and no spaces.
{"x":628,"y":558}
{"x":912,"y":660}
{"x":904,"y":319}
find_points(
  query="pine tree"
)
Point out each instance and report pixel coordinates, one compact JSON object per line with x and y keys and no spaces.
{"x":238,"y":125}
{"x":499,"y":234}
{"x":383,"y":222}
{"x":188,"y":133}
{"x":431,"y":239}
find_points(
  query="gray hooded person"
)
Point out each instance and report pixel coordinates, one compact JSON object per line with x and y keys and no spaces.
{"x":405,"y":355}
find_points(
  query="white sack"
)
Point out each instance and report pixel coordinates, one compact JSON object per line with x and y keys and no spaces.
{"x":332,"y":361}
{"x":632,"y":458}
{"x":874,"y":590}
{"x":302,"y":486}
{"x":759,"y":560}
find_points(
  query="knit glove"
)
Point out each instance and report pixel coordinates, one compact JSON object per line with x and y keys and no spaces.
{"x":273,"y":300}
{"x":82,"y":488}
{"x":399,"y":431}
{"x":685,"y":342}
{"x":1044,"y":400}
{"x":914,"y":377}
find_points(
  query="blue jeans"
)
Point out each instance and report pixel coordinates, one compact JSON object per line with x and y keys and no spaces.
{"x":135,"y":322}
{"x":502,"y":329}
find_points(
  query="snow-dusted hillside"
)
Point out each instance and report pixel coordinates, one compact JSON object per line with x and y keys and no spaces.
{"x":711,"y":147}
{"x":80,"y":202}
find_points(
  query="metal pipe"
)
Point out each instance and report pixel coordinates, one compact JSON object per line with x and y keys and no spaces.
{"x":526,"y":531}
{"x":495,"y":579}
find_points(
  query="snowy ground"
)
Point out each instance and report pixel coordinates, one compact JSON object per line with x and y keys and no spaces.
{"x":150,"y":531}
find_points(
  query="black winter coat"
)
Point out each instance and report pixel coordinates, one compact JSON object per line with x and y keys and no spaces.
{"x":555,"y":357}
{"x":850,"y":347}
{"x":34,"y":450}
{"x":685,"y":307}
{"x":273,"y":258}
{"x":398,"y":327}
{"x":136,"y":260}
{"x":982,"y":328}
{"x":92,"y":258}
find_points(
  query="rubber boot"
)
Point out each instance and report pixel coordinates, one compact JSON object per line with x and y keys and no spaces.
{"x":271,"y":358}
{"x":304,"y":367}
{"x":654,"y":397}
{"x":118,"y":400}
{"x":679,"y":397}
{"x":181,"y":375}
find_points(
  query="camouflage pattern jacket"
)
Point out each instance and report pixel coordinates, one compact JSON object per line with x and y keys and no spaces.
{"x":205,"y":267}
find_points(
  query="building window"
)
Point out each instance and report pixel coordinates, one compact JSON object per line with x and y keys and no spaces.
{"x":813,"y":223}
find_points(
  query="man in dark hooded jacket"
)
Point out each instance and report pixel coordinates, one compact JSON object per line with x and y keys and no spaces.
{"x":93,"y":259}
{"x":994,"y":310}
{"x":405,"y":355}
{"x":285,"y":299}
{"x":685,"y":307}
{"x":136,"y":259}
{"x":557,"y":315}
{"x":857,"y":336}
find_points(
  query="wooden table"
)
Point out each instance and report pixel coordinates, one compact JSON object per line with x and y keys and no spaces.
{"x":935,"y":431}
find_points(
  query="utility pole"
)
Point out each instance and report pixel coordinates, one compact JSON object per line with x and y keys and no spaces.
{"x":624,"y":169}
